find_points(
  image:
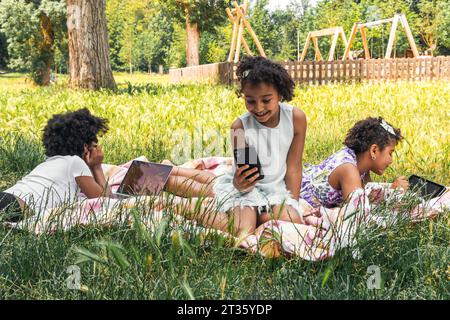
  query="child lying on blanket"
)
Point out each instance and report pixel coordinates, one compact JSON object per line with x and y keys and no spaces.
{"x":73,"y":163}
{"x":369,"y":147}
{"x":313,"y":216}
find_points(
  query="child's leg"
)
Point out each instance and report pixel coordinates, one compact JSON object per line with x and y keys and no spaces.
{"x":201,"y":176}
{"x":202,"y":210}
{"x":244,"y":220}
{"x":187,"y":188}
{"x":281,"y":212}
{"x":237,"y":222}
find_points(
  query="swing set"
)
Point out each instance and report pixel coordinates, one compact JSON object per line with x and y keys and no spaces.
{"x":237,"y":17}
{"x":361,"y":27}
{"x":335,"y":32}
{"x":395,"y":20}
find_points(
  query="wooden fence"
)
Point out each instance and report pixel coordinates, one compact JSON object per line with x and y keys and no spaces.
{"x":207,"y":73}
{"x":329,"y":72}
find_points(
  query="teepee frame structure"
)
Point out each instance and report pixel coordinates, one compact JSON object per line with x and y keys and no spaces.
{"x":239,"y":21}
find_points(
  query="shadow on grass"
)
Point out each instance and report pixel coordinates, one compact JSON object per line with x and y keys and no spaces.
{"x":12,"y":75}
{"x":150,"y":88}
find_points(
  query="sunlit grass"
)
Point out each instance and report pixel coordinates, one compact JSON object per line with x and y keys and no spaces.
{"x":152,"y":118}
{"x":18,"y":81}
{"x":140,"y":78}
{"x":139,"y":114}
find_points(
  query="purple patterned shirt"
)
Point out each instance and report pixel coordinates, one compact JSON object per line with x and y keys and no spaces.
{"x":316,"y":189}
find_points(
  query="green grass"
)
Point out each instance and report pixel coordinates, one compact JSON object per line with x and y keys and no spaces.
{"x":153,"y":119}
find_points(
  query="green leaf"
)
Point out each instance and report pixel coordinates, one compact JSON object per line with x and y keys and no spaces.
{"x":85,"y":255}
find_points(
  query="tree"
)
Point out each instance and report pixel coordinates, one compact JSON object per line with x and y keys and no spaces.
{"x":3,"y":51}
{"x":286,"y":23}
{"x":57,"y":12}
{"x":444,"y":33}
{"x":299,"y":7}
{"x":134,"y":12}
{"x":32,"y":29}
{"x":277,"y":30}
{"x":214,"y":46}
{"x":197,"y":17}
{"x":115,"y":15}
{"x":155,"y":39}
{"x":260,"y":20}
{"x":89,"y":65}
{"x":140,"y":34}
{"x":176,"y":56}
{"x":434,"y":22}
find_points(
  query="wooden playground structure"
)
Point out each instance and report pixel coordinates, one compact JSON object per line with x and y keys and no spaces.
{"x":239,"y":21}
{"x":335,"y":32}
{"x":361,"y":27}
{"x":395,"y":20}
{"x":237,"y":17}
{"x":347,"y":69}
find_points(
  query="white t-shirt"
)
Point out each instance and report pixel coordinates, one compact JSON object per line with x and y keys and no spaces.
{"x":51,"y":183}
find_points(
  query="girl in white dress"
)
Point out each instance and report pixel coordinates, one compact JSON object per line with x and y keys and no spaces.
{"x":276,"y":130}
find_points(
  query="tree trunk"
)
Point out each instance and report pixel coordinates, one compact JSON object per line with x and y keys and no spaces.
{"x":192,"y":43}
{"x":46,"y":49}
{"x":89,"y":66}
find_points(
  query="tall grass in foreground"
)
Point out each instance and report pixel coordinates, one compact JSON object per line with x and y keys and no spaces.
{"x":174,"y":263}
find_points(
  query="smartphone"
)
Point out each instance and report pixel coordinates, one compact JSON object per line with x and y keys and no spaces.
{"x":248,"y":156}
{"x":426,"y":188}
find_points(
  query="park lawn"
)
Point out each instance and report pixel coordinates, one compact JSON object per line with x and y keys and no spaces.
{"x":19,"y":81}
{"x":179,"y":122}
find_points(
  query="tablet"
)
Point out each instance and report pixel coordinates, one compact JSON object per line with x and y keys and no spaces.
{"x":144,"y":178}
{"x":426,"y":188}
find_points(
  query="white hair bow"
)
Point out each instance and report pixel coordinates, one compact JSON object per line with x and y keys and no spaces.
{"x":387,"y":127}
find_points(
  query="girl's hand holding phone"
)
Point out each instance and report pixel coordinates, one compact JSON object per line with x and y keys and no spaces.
{"x":241,"y":180}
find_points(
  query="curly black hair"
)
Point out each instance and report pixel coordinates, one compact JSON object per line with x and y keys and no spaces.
{"x":371,"y":131}
{"x":66,"y":134}
{"x":255,"y":70}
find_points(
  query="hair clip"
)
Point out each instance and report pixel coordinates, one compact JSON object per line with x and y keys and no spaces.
{"x":245,"y":74}
{"x":387,"y":127}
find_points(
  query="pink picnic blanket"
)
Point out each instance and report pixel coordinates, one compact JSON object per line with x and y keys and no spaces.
{"x":325,"y":230}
